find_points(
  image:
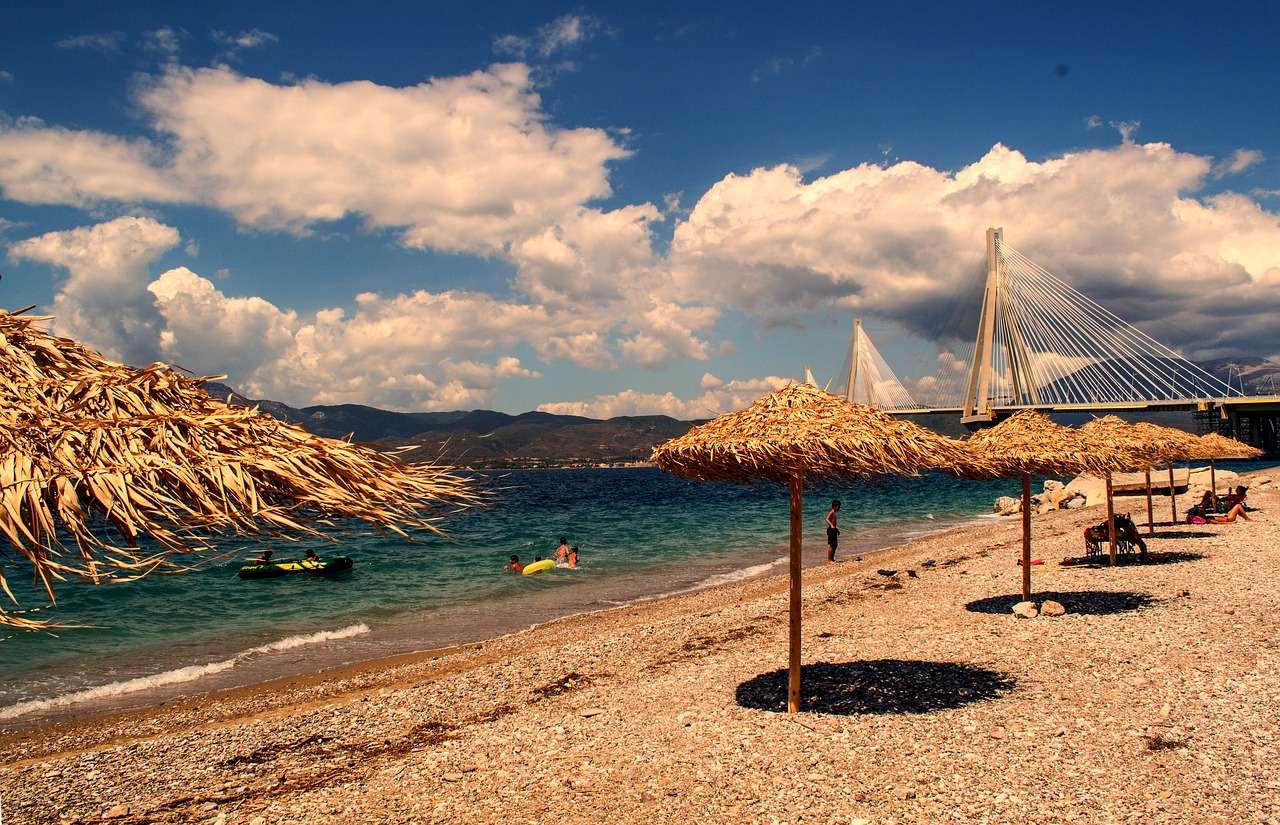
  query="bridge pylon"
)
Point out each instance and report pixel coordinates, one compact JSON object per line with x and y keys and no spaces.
{"x":978,"y":405}
{"x":1043,"y":345}
{"x":870,"y":379}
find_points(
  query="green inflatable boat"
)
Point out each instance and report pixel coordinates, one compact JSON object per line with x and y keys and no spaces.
{"x":320,"y":567}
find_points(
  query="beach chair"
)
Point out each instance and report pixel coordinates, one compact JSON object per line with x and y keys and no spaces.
{"x":1127,"y":538}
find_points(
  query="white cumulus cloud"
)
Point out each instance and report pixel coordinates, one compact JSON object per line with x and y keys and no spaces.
{"x":1118,"y":224}
{"x":44,"y":164}
{"x":465,"y":164}
{"x":103,"y":301}
{"x":474,"y":164}
{"x":730,"y":396}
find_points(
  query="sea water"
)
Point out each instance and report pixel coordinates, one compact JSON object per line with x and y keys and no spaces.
{"x":642,"y":534}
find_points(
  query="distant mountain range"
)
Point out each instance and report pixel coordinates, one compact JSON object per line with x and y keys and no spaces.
{"x":484,"y":438}
{"x":1252,"y":375}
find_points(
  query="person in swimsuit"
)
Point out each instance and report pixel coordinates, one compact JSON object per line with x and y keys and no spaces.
{"x":515,"y":566}
{"x":833,"y":532}
{"x":562,"y":552}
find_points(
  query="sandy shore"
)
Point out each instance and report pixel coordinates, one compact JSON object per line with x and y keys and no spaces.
{"x":1153,"y":699}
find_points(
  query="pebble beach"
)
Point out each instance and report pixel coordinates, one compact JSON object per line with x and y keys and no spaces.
{"x":1152,"y":698}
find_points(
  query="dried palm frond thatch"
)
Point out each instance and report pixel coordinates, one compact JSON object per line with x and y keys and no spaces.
{"x":95,"y":454}
{"x":799,"y":434}
{"x":1131,"y":449}
{"x":802,"y":429}
{"x":1169,"y":445}
{"x":1125,"y":444}
{"x":1029,"y":443}
{"x":1214,"y":446}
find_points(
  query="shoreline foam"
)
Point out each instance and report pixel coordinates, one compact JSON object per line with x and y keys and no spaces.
{"x":185,"y":681}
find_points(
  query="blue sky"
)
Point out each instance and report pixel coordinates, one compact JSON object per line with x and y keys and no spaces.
{"x":622,"y":208}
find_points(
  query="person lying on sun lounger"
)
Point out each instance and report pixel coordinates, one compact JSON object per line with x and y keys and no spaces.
{"x":1207,"y":510}
{"x":1236,"y":511}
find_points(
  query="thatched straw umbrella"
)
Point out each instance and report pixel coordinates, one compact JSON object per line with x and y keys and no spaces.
{"x":1128,"y":450}
{"x":800,"y":434}
{"x":1169,"y":445}
{"x":94,"y":454}
{"x":1028,"y":443}
{"x":1214,"y":446}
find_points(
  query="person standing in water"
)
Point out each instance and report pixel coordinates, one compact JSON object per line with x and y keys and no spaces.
{"x":833,"y":532}
{"x":562,"y":552}
{"x":573,"y":556}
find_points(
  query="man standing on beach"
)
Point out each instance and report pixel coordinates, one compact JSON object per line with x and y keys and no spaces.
{"x":833,"y":532}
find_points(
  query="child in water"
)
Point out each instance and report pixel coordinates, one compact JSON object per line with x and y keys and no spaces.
{"x":515,"y":566}
{"x":573,"y":556}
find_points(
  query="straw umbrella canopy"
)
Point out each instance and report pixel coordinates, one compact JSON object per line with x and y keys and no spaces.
{"x":1028,"y":443}
{"x":95,"y":454}
{"x":1214,"y":446}
{"x":1169,"y":445}
{"x":1129,"y":451}
{"x":800,"y":434}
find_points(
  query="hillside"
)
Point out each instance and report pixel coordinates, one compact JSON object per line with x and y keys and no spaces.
{"x":484,"y":438}
{"x":1257,"y":376}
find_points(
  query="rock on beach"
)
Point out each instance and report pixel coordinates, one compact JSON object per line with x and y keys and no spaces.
{"x":926,"y":702}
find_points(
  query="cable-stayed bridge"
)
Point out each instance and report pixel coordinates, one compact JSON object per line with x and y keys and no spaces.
{"x":1040,"y":344}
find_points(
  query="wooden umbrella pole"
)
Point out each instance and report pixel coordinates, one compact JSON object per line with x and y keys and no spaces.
{"x":793,"y":674}
{"x":1026,"y":537}
{"x":1173,"y":497}
{"x":1111,"y":520}
{"x":1151,"y":516}
{"x":1213,"y":482}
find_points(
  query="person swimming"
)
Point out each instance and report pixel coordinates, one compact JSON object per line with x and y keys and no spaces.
{"x":515,"y":566}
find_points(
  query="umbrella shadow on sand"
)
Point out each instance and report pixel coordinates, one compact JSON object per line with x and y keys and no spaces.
{"x":1160,"y":557}
{"x":1084,"y":602}
{"x":880,"y":686}
{"x":1154,"y":557}
{"x":1183,"y":534}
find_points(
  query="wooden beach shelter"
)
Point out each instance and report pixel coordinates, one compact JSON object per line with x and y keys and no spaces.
{"x":1214,"y":446}
{"x":95,"y":454}
{"x":1028,"y":443}
{"x":1169,"y":445}
{"x":798,"y":435}
{"x":1125,"y":450}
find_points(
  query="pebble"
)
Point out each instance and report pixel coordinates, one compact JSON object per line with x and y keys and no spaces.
{"x":925,"y":703}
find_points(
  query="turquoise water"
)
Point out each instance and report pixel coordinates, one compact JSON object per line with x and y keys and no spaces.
{"x":642,"y":533}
